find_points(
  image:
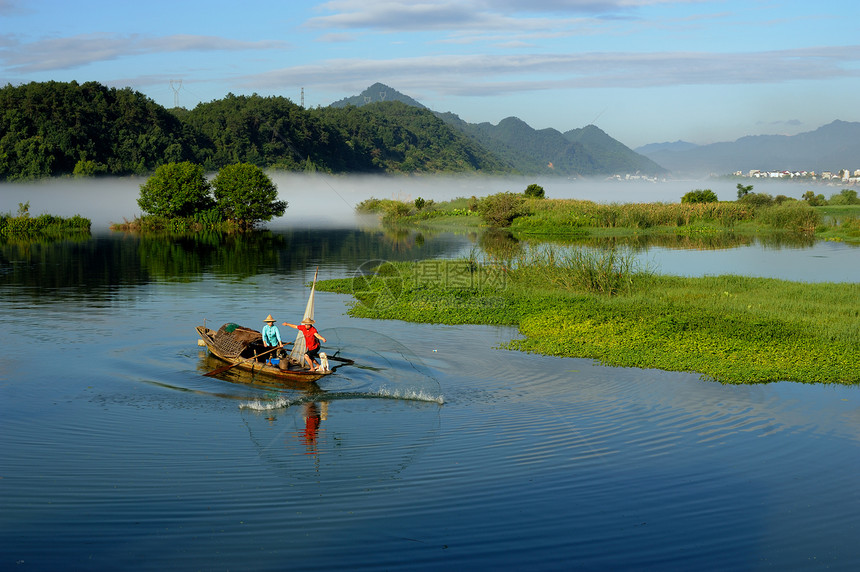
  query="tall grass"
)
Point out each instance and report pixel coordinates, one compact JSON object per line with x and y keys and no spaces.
{"x":794,"y":216}
{"x":842,"y":227}
{"x":197,"y":223}
{"x":563,"y":216}
{"x":610,"y":271}
{"x":44,"y":224}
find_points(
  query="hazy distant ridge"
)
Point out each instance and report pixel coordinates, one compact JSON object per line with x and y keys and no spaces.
{"x":831,"y":147}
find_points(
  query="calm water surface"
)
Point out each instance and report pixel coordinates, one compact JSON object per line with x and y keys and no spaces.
{"x":436,"y":450}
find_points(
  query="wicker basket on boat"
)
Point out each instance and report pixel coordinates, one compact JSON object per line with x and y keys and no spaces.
{"x":231,"y":340}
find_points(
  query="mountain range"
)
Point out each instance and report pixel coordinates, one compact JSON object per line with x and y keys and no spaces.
{"x":831,"y":147}
{"x":589,"y":151}
{"x":55,"y":128}
{"x":579,"y":152}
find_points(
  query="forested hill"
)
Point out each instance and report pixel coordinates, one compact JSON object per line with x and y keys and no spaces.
{"x":579,"y":152}
{"x":50,"y":128}
{"x":610,"y":155}
{"x":55,"y":128}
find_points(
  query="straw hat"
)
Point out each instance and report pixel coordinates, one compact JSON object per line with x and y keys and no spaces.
{"x":269,"y":318}
{"x":308,"y":321}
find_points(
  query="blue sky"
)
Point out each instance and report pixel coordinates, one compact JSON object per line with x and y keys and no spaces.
{"x":644,"y":71}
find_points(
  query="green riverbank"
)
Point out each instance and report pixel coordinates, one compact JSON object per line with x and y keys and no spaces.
{"x":728,"y":328}
{"x":572,"y":220}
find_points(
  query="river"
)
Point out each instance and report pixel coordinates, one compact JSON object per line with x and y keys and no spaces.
{"x":437,"y":449}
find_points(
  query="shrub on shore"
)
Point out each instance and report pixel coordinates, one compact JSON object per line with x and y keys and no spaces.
{"x":844,"y":197}
{"x":501,"y":209}
{"x":534,"y":191}
{"x":700,"y":196}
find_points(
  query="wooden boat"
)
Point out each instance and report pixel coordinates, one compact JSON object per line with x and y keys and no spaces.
{"x":238,"y":346}
{"x":243,"y":348}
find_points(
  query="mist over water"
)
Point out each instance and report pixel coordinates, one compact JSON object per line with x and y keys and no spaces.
{"x":321,"y":200}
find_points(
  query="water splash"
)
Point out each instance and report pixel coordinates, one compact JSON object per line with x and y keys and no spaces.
{"x":381,"y":393}
{"x":267,"y":405}
{"x":409,"y":394}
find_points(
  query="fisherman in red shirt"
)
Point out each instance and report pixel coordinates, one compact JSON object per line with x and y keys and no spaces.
{"x":312,"y":341}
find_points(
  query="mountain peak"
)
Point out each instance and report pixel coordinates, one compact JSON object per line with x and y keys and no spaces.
{"x":376,"y":93}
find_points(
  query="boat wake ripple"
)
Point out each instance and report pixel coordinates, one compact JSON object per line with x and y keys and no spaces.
{"x":282,"y":402}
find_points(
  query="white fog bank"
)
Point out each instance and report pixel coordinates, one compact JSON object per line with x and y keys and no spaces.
{"x":319,"y":200}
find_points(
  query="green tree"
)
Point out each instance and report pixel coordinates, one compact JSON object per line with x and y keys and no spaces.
{"x":744,"y":190}
{"x":175,"y":190}
{"x":535,"y":191}
{"x":813,"y":199}
{"x":756,"y":199}
{"x":245,"y":194}
{"x":501,"y":209}
{"x":700,"y":196}
{"x":85,"y":168}
{"x":844,"y":197}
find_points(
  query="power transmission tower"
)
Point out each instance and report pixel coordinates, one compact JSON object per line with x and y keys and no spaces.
{"x":176,"y":92}
{"x":303,"y":98}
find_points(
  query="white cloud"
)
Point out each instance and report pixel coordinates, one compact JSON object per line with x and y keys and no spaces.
{"x":483,"y":75}
{"x":336,"y":38}
{"x":485,"y":15}
{"x":13,"y":8}
{"x":75,"y":51}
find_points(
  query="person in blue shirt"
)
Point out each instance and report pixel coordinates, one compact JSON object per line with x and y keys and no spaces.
{"x":271,"y":336}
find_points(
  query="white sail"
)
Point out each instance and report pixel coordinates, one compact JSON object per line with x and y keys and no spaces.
{"x":299,"y":347}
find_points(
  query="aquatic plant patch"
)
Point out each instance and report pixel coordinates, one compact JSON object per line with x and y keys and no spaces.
{"x":729,"y":328}
{"x":729,"y":349}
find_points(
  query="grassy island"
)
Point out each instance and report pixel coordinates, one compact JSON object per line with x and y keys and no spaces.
{"x":731,"y":329}
{"x":528,"y":216}
{"x":22,"y":225}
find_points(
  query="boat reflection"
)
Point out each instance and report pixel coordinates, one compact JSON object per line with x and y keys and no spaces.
{"x":325,"y":438}
{"x":314,"y":414}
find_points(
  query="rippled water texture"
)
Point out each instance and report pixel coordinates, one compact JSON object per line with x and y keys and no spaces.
{"x":435,"y":450}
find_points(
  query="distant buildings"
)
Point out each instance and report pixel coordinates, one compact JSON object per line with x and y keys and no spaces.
{"x":634,"y":177}
{"x":844,"y":176}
